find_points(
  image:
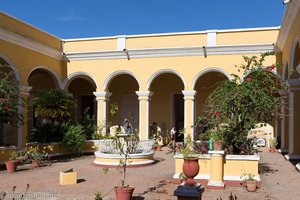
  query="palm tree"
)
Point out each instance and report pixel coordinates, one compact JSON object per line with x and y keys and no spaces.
{"x":54,"y":105}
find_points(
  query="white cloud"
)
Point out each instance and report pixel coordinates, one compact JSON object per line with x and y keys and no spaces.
{"x":70,"y":17}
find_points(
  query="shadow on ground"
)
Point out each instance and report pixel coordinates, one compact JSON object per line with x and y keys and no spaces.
{"x":265,"y":168}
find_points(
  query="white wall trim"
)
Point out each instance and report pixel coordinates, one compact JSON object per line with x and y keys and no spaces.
{"x":116,"y":73}
{"x":172,"y":51}
{"x":19,"y":40}
{"x":11,"y":65}
{"x":287,"y":22}
{"x":176,"y":33}
{"x":243,"y":157}
{"x":68,"y":80}
{"x":52,"y":73}
{"x":164,"y":71}
{"x":210,"y":69}
{"x":212,"y":38}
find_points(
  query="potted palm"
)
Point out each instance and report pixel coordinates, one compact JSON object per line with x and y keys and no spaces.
{"x":35,"y":156}
{"x":250,"y":182}
{"x":190,"y":165}
{"x":273,"y":143}
{"x":123,"y":191}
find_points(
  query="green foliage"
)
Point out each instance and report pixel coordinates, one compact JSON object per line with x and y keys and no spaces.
{"x":10,"y":98}
{"x":98,"y":196}
{"x":241,"y":105}
{"x":248,"y":177}
{"x":33,"y":153}
{"x":273,"y":142}
{"x":113,"y":110}
{"x":48,"y":132}
{"x":89,"y":124}
{"x":188,"y":150}
{"x":74,"y":138}
{"x":54,"y":105}
{"x":18,"y":154}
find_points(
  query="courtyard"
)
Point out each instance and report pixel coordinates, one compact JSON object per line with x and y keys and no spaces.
{"x":279,"y":179}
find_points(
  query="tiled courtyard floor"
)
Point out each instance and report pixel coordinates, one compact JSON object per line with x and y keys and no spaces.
{"x":280,"y":180}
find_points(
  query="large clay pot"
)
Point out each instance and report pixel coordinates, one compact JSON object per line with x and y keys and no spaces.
{"x":251,"y":186}
{"x":124,"y":193}
{"x":11,"y":165}
{"x":272,"y":149}
{"x":190,"y":168}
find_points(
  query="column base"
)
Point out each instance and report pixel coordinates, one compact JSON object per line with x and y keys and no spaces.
{"x":292,"y":157}
{"x":215,"y":185}
{"x":189,"y":192}
{"x":283,"y":151}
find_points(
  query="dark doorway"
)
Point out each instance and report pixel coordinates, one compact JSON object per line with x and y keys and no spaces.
{"x":179,"y":115}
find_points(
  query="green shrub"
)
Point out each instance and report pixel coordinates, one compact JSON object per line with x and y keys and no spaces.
{"x":89,"y":124}
{"x":74,"y":138}
{"x":48,"y":132}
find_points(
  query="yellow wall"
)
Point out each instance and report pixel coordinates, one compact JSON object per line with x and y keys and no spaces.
{"x":90,"y":45}
{"x":26,"y":30}
{"x":249,"y":37}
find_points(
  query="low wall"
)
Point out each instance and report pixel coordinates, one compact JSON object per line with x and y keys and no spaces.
{"x":234,"y":166}
{"x":52,"y":149}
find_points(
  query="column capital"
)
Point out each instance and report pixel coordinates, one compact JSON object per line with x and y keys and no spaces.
{"x":25,"y":89}
{"x":189,"y":94}
{"x":102,"y":95}
{"x":144,"y":95}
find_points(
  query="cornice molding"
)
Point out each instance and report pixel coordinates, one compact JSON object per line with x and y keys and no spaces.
{"x":287,"y":22}
{"x":19,"y":40}
{"x":170,"y":52}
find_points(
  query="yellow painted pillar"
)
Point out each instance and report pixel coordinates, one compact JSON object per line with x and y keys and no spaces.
{"x":144,"y":98}
{"x":102,"y":99}
{"x":23,"y":130}
{"x":284,"y":127}
{"x":189,"y":112}
{"x":294,"y":126}
{"x":216,"y":170}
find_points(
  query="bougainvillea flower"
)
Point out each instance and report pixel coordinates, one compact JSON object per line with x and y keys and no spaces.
{"x":268,"y":70}
{"x":249,"y":79}
{"x":272,"y":67}
{"x":6,"y":107}
{"x":3,"y":100}
{"x":217,"y":113}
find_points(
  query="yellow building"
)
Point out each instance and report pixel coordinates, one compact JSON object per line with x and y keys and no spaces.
{"x":163,"y":78}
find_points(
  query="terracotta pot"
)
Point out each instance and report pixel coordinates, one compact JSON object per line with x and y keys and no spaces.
{"x":158,"y":148}
{"x":124,"y":193}
{"x":272,"y":149}
{"x":36,"y":163}
{"x":251,"y":186}
{"x":217,"y":145}
{"x":190,"y":168}
{"x":11,"y":165}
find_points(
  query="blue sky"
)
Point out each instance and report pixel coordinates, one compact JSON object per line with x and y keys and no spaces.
{"x":94,"y":18}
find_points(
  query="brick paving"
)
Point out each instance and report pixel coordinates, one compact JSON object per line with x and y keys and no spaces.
{"x":280,"y":180}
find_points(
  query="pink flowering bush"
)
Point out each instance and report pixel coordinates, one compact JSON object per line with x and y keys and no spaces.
{"x":10,"y":98}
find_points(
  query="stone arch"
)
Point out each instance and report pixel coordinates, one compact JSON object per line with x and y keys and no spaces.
{"x":115,"y":74}
{"x":83,"y":75}
{"x":211,"y":69}
{"x":50,"y":71}
{"x":295,"y":57}
{"x":12,"y":65}
{"x":165,"y":71}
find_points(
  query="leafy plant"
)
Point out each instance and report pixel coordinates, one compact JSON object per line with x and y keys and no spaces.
{"x":48,"y":132}
{"x":33,"y":153}
{"x":54,"y":105}
{"x":74,"y":138}
{"x":98,"y":196}
{"x":89,"y":124}
{"x":273,"y":142}
{"x":182,"y":177}
{"x":244,"y":104}
{"x":10,"y":98}
{"x":188,"y":150}
{"x":248,"y":177}
{"x":201,"y":147}
{"x":18,"y":154}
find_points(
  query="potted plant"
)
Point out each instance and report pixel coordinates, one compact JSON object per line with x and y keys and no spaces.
{"x":35,"y":156}
{"x":217,"y":136}
{"x":16,"y":157}
{"x":190,"y":165}
{"x":123,"y":191}
{"x":273,"y":144}
{"x":250,"y":182}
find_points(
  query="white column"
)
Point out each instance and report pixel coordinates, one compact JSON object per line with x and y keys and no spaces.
{"x":102,"y":99}
{"x":22,"y":110}
{"x":144,"y":97}
{"x":189,"y":111}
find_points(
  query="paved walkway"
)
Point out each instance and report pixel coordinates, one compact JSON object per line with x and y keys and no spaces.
{"x":280,"y":180}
